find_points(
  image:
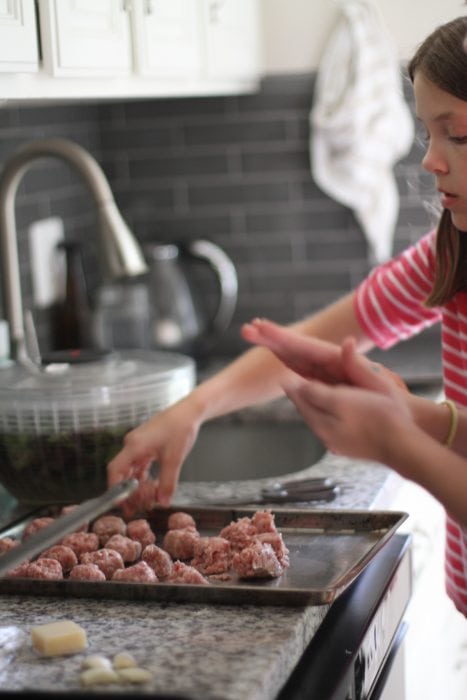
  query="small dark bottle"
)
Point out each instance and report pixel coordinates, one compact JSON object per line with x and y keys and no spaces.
{"x":72,"y":317}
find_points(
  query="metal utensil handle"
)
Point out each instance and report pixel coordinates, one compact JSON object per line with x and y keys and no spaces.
{"x":318,"y":482}
{"x":327,"y":494}
{"x":47,"y":536}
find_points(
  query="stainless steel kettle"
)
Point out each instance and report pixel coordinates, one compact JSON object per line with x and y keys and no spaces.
{"x":185,"y":314}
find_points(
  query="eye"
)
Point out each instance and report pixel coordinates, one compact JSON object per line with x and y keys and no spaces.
{"x":458,"y":139}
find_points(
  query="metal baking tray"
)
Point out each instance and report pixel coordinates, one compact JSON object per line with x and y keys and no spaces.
{"x":328,"y":550}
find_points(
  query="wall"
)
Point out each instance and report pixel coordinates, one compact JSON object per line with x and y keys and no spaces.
{"x":234,"y":170}
{"x":293,"y":40}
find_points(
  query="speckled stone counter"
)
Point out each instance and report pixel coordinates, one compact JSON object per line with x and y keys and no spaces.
{"x":193,"y":651}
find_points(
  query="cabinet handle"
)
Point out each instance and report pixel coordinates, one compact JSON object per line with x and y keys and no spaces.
{"x":126,"y":5}
{"x":148,"y":8}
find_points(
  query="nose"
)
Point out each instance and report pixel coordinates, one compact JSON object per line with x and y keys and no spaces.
{"x":433,"y":161}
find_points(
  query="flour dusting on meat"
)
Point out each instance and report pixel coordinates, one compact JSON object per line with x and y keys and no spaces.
{"x":111,"y":549}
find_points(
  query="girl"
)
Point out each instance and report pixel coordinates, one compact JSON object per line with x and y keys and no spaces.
{"x":424,"y":285}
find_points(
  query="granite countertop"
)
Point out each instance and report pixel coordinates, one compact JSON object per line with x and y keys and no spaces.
{"x":197,"y":651}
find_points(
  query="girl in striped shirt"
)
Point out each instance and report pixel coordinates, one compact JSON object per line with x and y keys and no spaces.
{"x":424,"y":285}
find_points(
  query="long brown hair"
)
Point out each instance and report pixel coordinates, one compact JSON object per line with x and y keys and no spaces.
{"x":442,"y":59}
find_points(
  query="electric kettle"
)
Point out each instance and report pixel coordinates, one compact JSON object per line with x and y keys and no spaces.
{"x":186,"y":315}
{"x":183,"y":304}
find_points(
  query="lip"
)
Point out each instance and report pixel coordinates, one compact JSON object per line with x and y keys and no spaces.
{"x":447,"y":199}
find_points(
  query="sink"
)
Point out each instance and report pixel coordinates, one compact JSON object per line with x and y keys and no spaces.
{"x":232,"y":450}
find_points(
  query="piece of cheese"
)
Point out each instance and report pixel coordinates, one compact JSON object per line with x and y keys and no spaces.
{"x":59,"y":638}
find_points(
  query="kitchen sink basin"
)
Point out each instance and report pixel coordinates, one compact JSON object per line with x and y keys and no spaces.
{"x":230,"y":450}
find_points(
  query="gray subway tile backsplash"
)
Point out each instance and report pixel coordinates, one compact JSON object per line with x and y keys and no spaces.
{"x":232,"y":169}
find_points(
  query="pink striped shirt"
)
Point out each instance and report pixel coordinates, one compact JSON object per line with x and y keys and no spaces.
{"x":388,"y":306}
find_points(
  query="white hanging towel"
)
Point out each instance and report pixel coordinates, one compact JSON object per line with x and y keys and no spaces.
{"x":360,"y":125}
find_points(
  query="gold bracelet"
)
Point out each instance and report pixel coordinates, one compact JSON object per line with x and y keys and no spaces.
{"x":454,"y":422}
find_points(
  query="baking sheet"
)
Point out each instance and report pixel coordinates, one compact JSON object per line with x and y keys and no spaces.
{"x":328,"y":549}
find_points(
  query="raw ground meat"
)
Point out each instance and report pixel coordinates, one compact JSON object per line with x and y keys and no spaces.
{"x":49,"y":569}
{"x":19,"y":571}
{"x":130,"y":550}
{"x":119,"y":551}
{"x":63,"y":554}
{"x":108,"y":561}
{"x":140,"y":530}
{"x":7,"y":543}
{"x":36,"y":525}
{"x":278,"y":545}
{"x":86,"y":572}
{"x":257,"y":561}
{"x":180,"y":520}
{"x":183,"y":573}
{"x":159,"y":560}
{"x":239,"y":533}
{"x":180,"y":544}
{"x":263,"y":521}
{"x":108,"y":525}
{"x":137,"y":573}
{"x":212,"y":555}
{"x":81,"y":542}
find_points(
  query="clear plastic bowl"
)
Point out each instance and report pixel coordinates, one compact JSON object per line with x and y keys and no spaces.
{"x":59,"y":427}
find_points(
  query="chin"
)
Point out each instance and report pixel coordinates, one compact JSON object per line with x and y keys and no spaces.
{"x":459,"y":221}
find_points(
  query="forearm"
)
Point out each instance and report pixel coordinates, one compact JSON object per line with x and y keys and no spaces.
{"x":428,"y":463}
{"x":256,"y":376}
{"x":435,"y":419}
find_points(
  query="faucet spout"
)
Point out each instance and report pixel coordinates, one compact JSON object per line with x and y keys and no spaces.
{"x":121,"y":255}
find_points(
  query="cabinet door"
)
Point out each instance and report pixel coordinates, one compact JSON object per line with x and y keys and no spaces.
{"x":232,"y":38}
{"x":85,"y":37}
{"x":19,"y":46}
{"x":166,"y":38}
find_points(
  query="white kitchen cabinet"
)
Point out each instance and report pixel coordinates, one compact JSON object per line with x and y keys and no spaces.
{"x":85,"y":37}
{"x":232,"y":38}
{"x":141,"y":49}
{"x":19,"y":48}
{"x":166,"y":39}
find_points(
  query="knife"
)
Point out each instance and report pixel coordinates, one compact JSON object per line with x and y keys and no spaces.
{"x":47,"y":536}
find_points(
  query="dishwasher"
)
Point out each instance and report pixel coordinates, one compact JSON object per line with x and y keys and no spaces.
{"x":358,"y":651}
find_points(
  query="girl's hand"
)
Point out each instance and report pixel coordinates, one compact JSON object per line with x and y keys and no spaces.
{"x":359,"y":423}
{"x":312,"y":358}
{"x":165,"y":439}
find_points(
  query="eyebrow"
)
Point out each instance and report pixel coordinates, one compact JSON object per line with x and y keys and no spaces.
{"x":444,"y":116}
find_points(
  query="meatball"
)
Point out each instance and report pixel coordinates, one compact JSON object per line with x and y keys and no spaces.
{"x":137,"y":573}
{"x":81,"y":542}
{"x":86,"y":572}
{"x":159,"y":560}
{"x":130,"y":550}
{"x":108,"y":525}
{"x":45,"y":568}
{"x":183,"y":573}
{"x":180,"y":520}
{"x":180,"y":544}
{"x":140,"y":530}
{"x":36,"y":525}
{"x":108,"y":561}
{"x":63,"y":554}
{"x":69,"y":509}
{"x":7,"y":543}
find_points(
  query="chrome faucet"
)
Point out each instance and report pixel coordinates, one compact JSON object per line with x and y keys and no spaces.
{"x":121,"y":255}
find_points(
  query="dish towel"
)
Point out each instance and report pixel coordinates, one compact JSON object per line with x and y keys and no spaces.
{"x":360,"y":125}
